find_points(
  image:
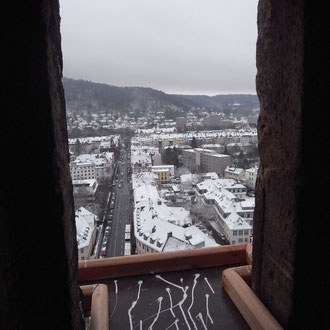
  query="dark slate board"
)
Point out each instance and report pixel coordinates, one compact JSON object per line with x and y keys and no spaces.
{"x":144,"y":302}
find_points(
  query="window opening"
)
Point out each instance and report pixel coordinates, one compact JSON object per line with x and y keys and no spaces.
{"x":178,"y":165}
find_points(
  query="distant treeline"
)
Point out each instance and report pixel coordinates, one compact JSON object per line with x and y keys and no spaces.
{"x":82,"y":95}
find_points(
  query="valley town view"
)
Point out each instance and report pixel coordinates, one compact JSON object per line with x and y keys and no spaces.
{"x":155,"y":172}
{"x":161,"y":165}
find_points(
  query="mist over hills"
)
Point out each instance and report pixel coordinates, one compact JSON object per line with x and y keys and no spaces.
{"x":82,"y":95}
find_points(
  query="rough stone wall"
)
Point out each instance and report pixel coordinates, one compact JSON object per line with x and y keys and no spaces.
{"x":289,"y":190}
{"x":38,"y":263}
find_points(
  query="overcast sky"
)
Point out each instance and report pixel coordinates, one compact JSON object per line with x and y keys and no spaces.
{"x":177,"y":46}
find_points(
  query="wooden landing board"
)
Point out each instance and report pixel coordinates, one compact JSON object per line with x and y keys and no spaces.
{"x":191,"y":299}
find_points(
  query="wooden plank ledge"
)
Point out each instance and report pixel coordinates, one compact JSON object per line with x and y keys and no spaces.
{"x":251,"y":308}
{"x":100,"y":269}
{"x":87,"y":291}
{"x":100,"y":308}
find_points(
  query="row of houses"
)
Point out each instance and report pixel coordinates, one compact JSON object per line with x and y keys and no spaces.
{"x":224,"y":137}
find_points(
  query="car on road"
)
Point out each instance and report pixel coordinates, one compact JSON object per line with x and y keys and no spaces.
{"x":110,"y":216}
{"x":119,"y":186}
{"x":104,"y":251}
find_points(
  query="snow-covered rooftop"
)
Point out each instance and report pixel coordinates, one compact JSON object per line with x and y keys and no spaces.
{"x":85,"y":222}
{"x":159,"y":226}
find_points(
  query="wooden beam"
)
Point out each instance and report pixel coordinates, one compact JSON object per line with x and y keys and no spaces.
{"x":99,"y":269}
{"x":252,"y":309}
{"x":87,"y":291}
{"x":100,"y":308}
{"x":249,"y":254}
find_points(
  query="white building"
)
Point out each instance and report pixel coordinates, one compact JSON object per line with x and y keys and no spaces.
{"x":86,"y":232}
{"x":236,"y":173}
{"x":84,"y":191}
{"x":232,"y":209}
{"x":142,"y":157}
{"x":158,"y":227}
{"x":92,"y":166}
{"x":205,"y":159}
{"x":251,"y":177}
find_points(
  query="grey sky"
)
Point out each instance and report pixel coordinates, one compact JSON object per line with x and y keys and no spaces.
{"x":178,"y":46}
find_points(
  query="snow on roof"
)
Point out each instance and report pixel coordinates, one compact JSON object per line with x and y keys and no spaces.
{"x":189,"y":177}
{"x":156,"y":167}
{"x":211,"y":175}
{"x":94,"y":139}
{"x":175,"y":188}
{"x":248,"y":203}
{"x":85,"y":225}
{"x":198,"y":135}
{"x":219,"y":155}
{"x":226,"y":202}
{"x":159,"y":226}
{"x":252,"y":170}
{"x":93,"y":159}
{"x":235,"y":170}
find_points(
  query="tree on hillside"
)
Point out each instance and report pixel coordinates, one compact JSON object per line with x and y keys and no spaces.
{"x":194,"y":143}
{"x":78,"y":147}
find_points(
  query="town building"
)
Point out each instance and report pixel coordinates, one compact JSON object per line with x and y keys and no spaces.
{"x":84,"y":191}
{"x":236,"y":173}
{"x":92,"y":166}
{"x":251,"y":177}
{"x":231,"y":209}
{"x":214,"y":162}
{"x":164,"y":172}
{"x":86,"y":232}
{"x":158,"y":227}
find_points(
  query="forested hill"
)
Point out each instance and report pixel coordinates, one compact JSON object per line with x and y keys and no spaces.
{"x":82,"y":95}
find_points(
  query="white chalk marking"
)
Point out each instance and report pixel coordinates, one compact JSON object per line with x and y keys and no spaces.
{"x":207,"y":308}
{"x":205,"y":278}
{"x":129,"y":314}
{"x":159,"y":308}
{"x":176,"y":325}
{"x":192,"y":299}
{"x":168,"y":282}
{"x":133,"y":305}
{"x":201,"y":318}
{"x":140,"y":284}
{"x":171,"y":303}
{"x":116,"y":290}
{"x":180,"y":305}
